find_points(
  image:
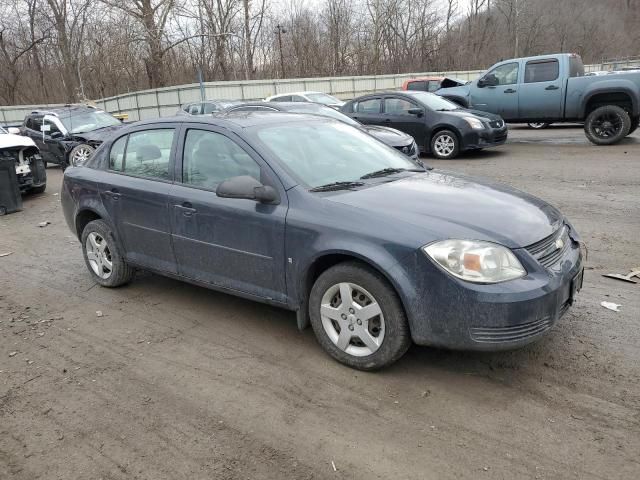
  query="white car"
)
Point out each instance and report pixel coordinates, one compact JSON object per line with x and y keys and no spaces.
{"x":32,"y":176}
{"x":314,"y":97}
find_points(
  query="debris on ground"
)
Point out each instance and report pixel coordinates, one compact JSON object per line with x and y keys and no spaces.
{"x":5,"y":254}
{"x":13,"y":354}
{"x":611,"y":306}
{"x":635,"y":272}
{"x":99,"y":313}
{"x":334,"y":466}
{"x":44,"y":224}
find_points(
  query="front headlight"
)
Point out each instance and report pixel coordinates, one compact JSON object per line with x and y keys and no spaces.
{"x":476,"y":261}
{"x":474,"y":123}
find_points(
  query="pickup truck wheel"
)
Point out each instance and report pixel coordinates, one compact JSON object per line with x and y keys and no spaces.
{"x":445,"y":145}
{"x":607,"y":125}
{"x":634,"y":125}
{"x":538,"y":125}
{"x":357,"y":317}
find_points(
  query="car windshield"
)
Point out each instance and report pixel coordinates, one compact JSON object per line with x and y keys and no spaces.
{"x":88,"y":121}
{"x":435,"y":102}
{"x":324,"y":111}
{"x":324,"y":152}
{"x":322,"y":98}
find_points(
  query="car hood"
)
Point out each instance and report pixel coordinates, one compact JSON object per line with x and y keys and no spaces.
{"x":461,"y":91}
{"x":444,"y":205}
{"x":99,"y":135}
{"x":390,"y":136}
{"x":465,"y":112}
{"x":9,"y":140}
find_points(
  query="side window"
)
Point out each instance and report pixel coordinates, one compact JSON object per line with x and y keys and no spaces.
{"x":298,"y":98}
{"x":285,"y":98}
{"x":433,"y":85}
{"x":36,"y":123}
{"x":116,"y":155}
{"x":541,"y":71}
{"x":371,"y":105}
{"x":148,"y":153}
{"x":506,"y":74}
{"x":211,"y":158}
{"x":52,"y":126}
{"x":27,"y":122}
{"x":210,"y":108}
{"x":420,"y":85}
{"x":397,"y":106}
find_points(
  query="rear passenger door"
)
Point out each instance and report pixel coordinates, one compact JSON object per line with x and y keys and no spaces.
{"x":541,"y":93}
{"x":235,"y":244}
{"x":135,"y":192}
{"x":368,"y":111}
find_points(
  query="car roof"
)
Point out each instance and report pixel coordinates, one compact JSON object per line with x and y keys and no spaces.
{"x":299,"y":93}
{"x":422,"y":79}
{"x":67,"y":109}
{"x":238,"y":119}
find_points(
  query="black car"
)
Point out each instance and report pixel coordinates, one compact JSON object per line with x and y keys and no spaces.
{"x":309,"y":214}
{"x":392,"y":137}
{"x":69,"y":135}
{"x":206,"y":107}
{"x":438,"y":125}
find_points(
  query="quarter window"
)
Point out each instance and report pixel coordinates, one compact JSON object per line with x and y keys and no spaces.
{"x":541,"y":71}
{"x":397,"y":106}
{"x":505,"y":74}
{"x":211,"y":158}
{"x":116,"y":155}
{"x":371,"y":105}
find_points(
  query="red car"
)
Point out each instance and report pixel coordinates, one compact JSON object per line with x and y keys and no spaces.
{"x":431,"y":84}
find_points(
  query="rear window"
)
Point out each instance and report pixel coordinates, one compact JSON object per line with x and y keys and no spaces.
{"x":420,"y":85}
{"x":371,"y":105}
{"x":541,"y":71}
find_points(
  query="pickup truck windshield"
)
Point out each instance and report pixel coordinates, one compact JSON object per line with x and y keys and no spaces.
{"x":434,"y":102}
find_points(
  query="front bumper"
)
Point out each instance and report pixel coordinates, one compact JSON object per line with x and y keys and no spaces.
{"x":489,"y":137}
{"x":447,"y":312}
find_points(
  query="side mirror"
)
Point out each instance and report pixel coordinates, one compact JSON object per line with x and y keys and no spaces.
{"x":488,"y":81}
{"x":248,"y":188}
{"x":14,"y":130}
{"x":415,"y":111}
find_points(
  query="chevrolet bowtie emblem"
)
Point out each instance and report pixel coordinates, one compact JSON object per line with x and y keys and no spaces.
{"x":559,"y":244}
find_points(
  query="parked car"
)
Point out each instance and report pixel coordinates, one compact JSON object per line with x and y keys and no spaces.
{"x":392,"y":137}
{"x":30,"y":171}
{"x":553,"y":89}
{"x":69,"y":135}
{"x":431,"y":84}
{"x":314,"y":97}
{"x":206,"y":108}
{"x":313,"y":215}
{"x":439,"y":126}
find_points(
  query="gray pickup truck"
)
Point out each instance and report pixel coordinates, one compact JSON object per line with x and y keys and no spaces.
{"x":553,"y":88}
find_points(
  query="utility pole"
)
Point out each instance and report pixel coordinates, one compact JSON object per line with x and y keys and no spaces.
{"x":280,"y":30}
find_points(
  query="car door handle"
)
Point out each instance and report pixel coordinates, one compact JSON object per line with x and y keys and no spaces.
{"x":186,"y":208}
{"x":552,"y":87}
{"x":510,"y":90}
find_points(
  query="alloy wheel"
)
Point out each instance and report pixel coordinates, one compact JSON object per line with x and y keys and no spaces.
{"x":99,"y":255}
{"x":444,"y":145}
{"x":80,"y":156}
{"x":607,"y":125}
{"x":352,"y":319}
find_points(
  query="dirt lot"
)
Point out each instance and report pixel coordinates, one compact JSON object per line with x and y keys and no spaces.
{"x":178,"y":382}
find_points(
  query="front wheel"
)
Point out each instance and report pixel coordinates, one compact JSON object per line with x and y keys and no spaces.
{"x":607,"y":125}
{"x":358,"y":318}
{"x":445,"y":145}
{"x":102,"y":255}
{"x":538,"y":125}
{"x":80,"y":154}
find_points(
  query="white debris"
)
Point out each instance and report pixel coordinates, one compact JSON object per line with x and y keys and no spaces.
{"x":611,"y":306}
{"x":13,"y":354}
{"x":99,"y":313}
{"x":5,"y":254}
{"x":44,"y":224}
{"x":334,"y":466}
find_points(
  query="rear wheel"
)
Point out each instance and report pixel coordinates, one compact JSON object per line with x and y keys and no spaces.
{"x":607,"y":125}
{"x":538,"y":125}
{"x":445,"y":145}
{"x":358,"y":318}
{"x":103,"y":257}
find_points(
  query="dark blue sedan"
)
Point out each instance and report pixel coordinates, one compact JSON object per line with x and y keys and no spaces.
{"x":313,"y":215}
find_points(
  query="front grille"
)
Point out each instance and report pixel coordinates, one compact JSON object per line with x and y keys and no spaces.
{"x":510,"y":334}
{"x":550,"y":249}
{"x":500,"y":137}
{"x":497,"y":124}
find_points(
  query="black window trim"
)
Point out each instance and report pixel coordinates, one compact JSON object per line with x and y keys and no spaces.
{"x":171,"y":171}
{"x":539,"y":61}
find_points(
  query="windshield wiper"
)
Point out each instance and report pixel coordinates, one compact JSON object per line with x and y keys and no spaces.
{"x":336,"y":186}
{"x":388,"y":171}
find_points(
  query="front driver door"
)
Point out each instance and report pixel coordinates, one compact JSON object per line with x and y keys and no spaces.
{"x":501,"y":95}
{"x":396,"y":114}
{"x":236,"y":244}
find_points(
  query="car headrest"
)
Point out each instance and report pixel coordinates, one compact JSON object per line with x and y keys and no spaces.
{"x":148,"y":152}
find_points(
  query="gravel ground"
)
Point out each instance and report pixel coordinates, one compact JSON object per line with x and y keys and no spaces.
{"x":172,"y":381}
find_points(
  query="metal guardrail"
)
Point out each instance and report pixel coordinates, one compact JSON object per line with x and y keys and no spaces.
{"x":163,"y":102}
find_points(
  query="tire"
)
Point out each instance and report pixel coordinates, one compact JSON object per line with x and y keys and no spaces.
{"x":92,"y":238}
{"x":79,"y":155}
{"x":634,"y":125}
{"x":607,"y":125}
{"x":538,"y":125}
{"x":39,"y":189}
{"x":445,"y":145}
{"x":386,"y":331}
